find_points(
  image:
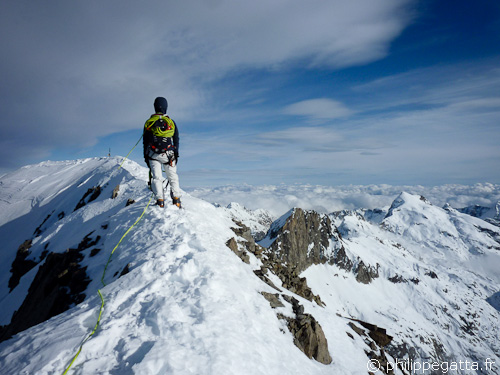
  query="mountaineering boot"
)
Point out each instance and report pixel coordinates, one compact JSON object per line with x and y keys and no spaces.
{"x":176,"y":202}
{"x":160,"y":203}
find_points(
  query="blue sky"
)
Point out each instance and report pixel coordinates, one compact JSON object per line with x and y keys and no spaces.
{"x":320,"y":92}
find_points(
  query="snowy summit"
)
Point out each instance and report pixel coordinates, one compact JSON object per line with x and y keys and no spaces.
{"x":206,"y":289}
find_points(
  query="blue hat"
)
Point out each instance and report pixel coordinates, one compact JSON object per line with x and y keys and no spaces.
{"x":161,"y":105}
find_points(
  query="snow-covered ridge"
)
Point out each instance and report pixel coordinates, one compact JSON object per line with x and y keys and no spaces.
{"x":180,"y":301}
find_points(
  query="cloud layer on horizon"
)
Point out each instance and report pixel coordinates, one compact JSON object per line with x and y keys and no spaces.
{"x":278,"y":199}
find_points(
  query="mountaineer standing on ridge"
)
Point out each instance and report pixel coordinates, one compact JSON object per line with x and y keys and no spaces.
{"x":161,"y":150}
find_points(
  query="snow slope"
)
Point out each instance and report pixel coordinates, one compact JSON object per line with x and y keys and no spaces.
{"x":437,"y":269}
{"x":189,"y":305}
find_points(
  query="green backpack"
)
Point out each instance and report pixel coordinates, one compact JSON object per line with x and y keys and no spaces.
{"x":162,"y":129}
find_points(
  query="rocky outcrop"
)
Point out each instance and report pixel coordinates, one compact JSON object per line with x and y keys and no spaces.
{"x":21,"y":265}
{"x":115,"y":192}
{"x":307,"y":332}
{"x":243,"y":245}
{"x":39,"y":230}
{"x":341,"y":260}
{"x":365,"y":274}
{"x":397,"y":279}
{"x":89,"y":196}
{"x":292,"y":281}
{"x":300,"y":239}
{"x":288,"y":273}
{"x":246,"y":240}
{"x":412,"y":354}
{"x":59,"y":284}
{"x":303,"y":239}
{"x":296,"y":241}
{"x":273,"y":299}
{"x":258,"y":220}
{"x":376,"y":339}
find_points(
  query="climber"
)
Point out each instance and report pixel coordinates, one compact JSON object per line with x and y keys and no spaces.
{"x":161,"y":150}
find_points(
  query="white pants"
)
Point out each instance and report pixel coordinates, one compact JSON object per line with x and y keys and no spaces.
{"x":156,"y":163}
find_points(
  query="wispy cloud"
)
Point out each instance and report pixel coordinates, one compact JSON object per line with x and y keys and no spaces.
{"x":97,"y":65}
{"x":424,"y":128}
{"x":436,"y":86}
{"x":318,"y":109}
{"x":263,"y":33}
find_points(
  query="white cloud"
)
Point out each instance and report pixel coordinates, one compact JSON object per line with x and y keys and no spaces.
{"x":422,"y":127}
{"x":280,"y":198}
{"x":97,"y":65}
{"x":435,"y":86}
{"x":303,"y":136}
{"x":227,"y":34}
{"x":320,"y":109}
{"x":89,"y":69}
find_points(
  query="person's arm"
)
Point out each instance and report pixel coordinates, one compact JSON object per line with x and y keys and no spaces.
{"x":146,"y":140}
{"x":176,"y":140}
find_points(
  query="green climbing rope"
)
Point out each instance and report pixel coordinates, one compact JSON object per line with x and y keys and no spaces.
{"x":125,"y":158}
{"x":104,"y":284}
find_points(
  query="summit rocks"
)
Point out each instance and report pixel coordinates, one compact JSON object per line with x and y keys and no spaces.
{"x":302,"y":238}
{"x":306,"y":330}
